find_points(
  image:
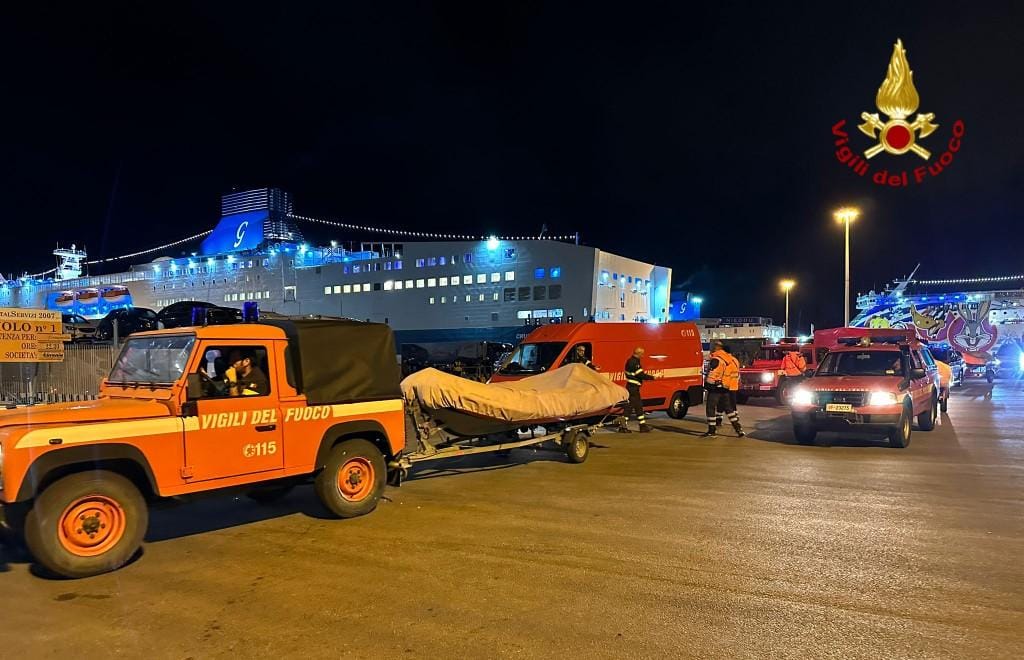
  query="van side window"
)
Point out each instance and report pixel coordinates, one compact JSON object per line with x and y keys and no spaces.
{"x":573,"y":354}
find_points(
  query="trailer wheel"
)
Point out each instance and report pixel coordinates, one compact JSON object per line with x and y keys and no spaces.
{"x":354,"y":479}
{"x":679,"y":406}
{"x":86,"y":523}
{"x":577,"y":446}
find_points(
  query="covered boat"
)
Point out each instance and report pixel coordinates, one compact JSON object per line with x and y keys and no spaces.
{"x":572,"y":393}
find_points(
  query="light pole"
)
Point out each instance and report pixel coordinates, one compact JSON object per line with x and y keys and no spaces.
{"x":846,"y":215}
{"x":786,"y":285}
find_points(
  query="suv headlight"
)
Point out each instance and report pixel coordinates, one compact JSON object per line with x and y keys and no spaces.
{"x":802,"y":397}
{"x":767,"y":377}
{"x":882,"y":399}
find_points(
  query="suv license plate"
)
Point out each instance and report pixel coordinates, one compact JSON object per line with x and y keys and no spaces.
{"x":838,"y":407}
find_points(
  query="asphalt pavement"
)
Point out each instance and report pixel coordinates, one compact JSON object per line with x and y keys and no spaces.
{"x":663,"y":545}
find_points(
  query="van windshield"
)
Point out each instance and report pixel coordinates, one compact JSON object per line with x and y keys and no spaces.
{"x":532,"y":358}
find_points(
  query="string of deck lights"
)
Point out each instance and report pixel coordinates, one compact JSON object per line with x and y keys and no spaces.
{"x":973,"y":280}
{"x":151,"y":250}
{"x":424,"y":234}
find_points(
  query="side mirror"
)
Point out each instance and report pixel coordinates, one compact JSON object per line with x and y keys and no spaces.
{"x":193,"y":389}
{"x":918,"y":373}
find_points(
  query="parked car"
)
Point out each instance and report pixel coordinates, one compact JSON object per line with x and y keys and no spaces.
{"x":79,"y":327}
{"x":954,"y":359}
{"x":179,"y":314}
{"x":135,"y":319}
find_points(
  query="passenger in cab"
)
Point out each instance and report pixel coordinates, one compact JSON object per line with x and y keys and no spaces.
{"x":579,"y":356}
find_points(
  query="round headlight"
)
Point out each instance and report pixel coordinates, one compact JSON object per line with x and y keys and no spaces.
{"x":882,"y":399}
{"x":802,"y":397}
{"x":767,"y":377}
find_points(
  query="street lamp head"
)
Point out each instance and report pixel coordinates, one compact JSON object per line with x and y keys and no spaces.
{"x":786,"y":285}
{"x":846,"y":214}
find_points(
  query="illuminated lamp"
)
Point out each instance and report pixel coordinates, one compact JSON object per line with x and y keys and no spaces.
{"x":493,"y":243}
{"x":199,"y":316}
{"x":250,"y":312}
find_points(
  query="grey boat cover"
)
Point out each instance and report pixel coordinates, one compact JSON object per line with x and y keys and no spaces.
{"x":564,"y":393}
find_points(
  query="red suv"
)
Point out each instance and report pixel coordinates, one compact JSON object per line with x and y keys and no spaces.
{"x":870,"y":381}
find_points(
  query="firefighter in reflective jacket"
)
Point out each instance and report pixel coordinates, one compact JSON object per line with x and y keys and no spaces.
{"x":793,"y":367}
{"x":794,"y":364}
{"x":722,"y":382}
{"x":635,"y":376}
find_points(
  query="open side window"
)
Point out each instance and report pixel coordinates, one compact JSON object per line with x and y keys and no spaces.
{"x":230,"y":370}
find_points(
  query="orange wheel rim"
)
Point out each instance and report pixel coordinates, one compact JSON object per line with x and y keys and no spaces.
{"x":356,"y":479}
{"x":91,"y":525}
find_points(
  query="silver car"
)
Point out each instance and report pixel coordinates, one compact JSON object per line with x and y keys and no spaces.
{"x":80,"y":328}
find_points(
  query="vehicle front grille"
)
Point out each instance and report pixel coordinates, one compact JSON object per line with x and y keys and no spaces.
{"x":751,"y":379}
{"x":852,"y":398}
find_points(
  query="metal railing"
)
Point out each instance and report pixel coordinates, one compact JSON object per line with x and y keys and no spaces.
{"x":77,"y":378}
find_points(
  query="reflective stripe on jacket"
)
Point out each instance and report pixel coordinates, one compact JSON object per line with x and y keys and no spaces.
{"x":635,"y":374}
{"x":726,"y":371}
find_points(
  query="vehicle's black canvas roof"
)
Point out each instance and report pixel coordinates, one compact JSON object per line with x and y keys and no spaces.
{"x":342,"y":361}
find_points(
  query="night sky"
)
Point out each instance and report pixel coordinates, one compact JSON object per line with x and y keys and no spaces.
{"x":697,"y":137}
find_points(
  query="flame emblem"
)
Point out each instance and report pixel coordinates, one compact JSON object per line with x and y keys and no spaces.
{"x":897,"y":98}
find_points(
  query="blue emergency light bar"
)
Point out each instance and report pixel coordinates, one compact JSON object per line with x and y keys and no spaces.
{"x":250,"y":312}
{"x":199,"y":316}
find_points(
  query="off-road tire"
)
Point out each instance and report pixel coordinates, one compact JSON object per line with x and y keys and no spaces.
{"x":108,"y":502}
{"x":353,"y":480}
{"x":742,"y":397}
{"x":899,"y":435}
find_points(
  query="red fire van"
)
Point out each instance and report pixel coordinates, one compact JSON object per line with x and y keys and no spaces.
{"x":673,"y":356}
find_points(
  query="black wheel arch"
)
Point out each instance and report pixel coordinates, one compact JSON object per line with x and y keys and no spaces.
{"x":124,"y":459}
{"x":365,"y":429}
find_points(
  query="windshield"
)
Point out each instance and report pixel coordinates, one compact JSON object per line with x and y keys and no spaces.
{"x":152,"y":359}
{"x":862,"y":363}
{"x":776,"y":353}
{"x":532,"y":358}
{"x":941,"y":354}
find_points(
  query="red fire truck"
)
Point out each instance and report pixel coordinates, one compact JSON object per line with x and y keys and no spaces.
{"x":764,"y":376}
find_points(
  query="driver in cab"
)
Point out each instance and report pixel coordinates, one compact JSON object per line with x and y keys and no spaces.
{"x":241,"y":378}
{"x":245,"y":378}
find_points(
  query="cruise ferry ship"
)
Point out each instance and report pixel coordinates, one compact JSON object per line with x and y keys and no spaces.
{"x":461,"y":289}
{"x":976,"y":315}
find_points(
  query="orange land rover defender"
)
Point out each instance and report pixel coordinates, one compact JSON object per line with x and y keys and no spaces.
{"x":256,"y":405}
{"x":870,"y":381}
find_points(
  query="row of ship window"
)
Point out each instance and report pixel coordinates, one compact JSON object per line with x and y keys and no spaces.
{"x":423,"y":283}
{"x":467,"y":258}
